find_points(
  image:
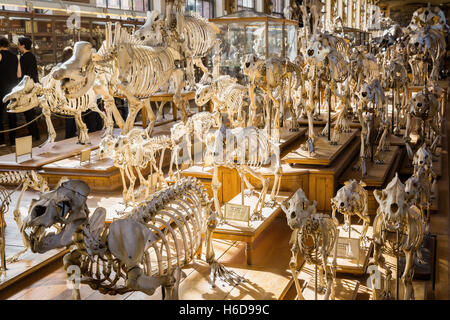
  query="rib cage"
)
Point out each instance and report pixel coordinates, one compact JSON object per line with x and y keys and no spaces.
{"x":323,"y":232}
{"x":177,"y":215}
{"x":200,"y":36}
{"x":150,"y":67}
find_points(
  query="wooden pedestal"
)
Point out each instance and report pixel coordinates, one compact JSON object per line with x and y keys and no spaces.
{"x":61,"y":150}
{"x":325,"y":153}
{"x":378,"y":175}
{"x":345,"y":289}
{"x":100,"y":175}
{"x":241,"y":231}
{"x":354,"y":266}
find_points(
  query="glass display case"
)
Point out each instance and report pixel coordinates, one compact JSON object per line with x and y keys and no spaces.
{"x":247,"y":32}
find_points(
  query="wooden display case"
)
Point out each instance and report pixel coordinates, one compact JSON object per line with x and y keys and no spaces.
{"x":50,"y":33}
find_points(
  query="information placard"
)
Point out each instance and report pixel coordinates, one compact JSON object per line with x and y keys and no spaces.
{"x":24,"y":145}
{"x":237,"y":212}
{"x":348,"y":248}
{"x":85,"y":155}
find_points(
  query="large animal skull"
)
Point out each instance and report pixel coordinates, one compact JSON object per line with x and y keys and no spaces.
{"x":298,"y":208}
{"x":23,"y":97}
{"x":77,"y":74}
{"x":347,"y":197}
{"x":203,"y":94}
{"x":422,"y":104}
{"x":393,"y":204}
{"x":65,"y":208}
{"x":106,"y":147}
{"x":317,"y":49}
{"x":150,"y":32}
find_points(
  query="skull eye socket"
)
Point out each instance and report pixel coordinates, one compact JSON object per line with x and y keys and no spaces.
{"x":364,"y":94}
{"x":394,"y":207}
{"x":293,"y":215}
{"x":65,"y":208}
{"x":39,"y":210}
{"x":342,"y":204}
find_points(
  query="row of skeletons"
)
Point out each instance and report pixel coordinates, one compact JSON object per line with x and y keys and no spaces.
{"x":402,"y":220}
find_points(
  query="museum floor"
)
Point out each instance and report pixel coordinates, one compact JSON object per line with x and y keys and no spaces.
{"x":267,"y":278}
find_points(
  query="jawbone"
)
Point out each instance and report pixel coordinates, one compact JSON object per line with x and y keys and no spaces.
{"x":41,"y":241}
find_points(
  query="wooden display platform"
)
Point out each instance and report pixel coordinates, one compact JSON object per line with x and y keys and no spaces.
{"x":99,"y":174}
{"x":241,"y":231}
{"x":345,"y":289}
{"x":287,"y":137}
{"x":355,"y":266}
{"x":325,"y":153}
{"x":61,"y":150}
{"x":377,"y":174}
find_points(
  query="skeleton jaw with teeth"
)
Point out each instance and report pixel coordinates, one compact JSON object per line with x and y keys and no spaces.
{"x":23,"y":97}
{"x":54,"y":217}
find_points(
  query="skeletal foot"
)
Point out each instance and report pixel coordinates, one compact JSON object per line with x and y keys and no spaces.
{"x":218,"y":270}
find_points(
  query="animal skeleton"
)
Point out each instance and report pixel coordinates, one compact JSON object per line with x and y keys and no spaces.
{"x":49,"y":96}
{"x":395,"y":76}
{"x":400,"y":225}
{"x":252,"y":151}
{"x":372,"y":105}
{"x":420,"y":185}
{"x":135,"y":151}
{"x":352,"y":199}
{"x":135,"y":72}
{"x":426,"y":43}
{"x":190,"y":35}
{"x":269,"y":75}
{"x":227,"y":96}
{"x":328,"y":65}
{"x":314,"y":236}
{"x":423,"y":107}
{"x":142,"y":251}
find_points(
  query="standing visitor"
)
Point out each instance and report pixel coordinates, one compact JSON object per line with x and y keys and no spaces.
{"x":28,"y":67}
{"x":9,"y":70}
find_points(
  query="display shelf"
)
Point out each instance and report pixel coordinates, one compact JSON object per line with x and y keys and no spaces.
{"x":54,"y":28}
{"x":241,"y":231}
{"x":325,"y":152}
{"x":61,"y":150}
{"x":355,"y":266}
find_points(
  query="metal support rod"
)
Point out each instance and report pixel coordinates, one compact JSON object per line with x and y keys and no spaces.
{"x":397,"y":272}
{"x":392,"y":113}
{"x":3,"y":242}
{"x":329,"y":115}
{"x":315,"y":279}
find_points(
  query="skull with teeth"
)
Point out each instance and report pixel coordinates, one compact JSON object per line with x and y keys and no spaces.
{"x":298,"y":208}
{"x":393,"y":204}
{"x":63,"y":210}
{"x":77,"y":74}
{"x":23,"y":97}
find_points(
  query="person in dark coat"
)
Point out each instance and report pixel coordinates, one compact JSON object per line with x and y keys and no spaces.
{"x":9,"y":70}
{"x":28,"y":67}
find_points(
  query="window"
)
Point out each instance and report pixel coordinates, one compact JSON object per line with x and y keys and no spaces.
{"x":278,"y":7}
{"x":135,"y":5}
{"x":245,"y":4}
{"x":204,"y":7}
